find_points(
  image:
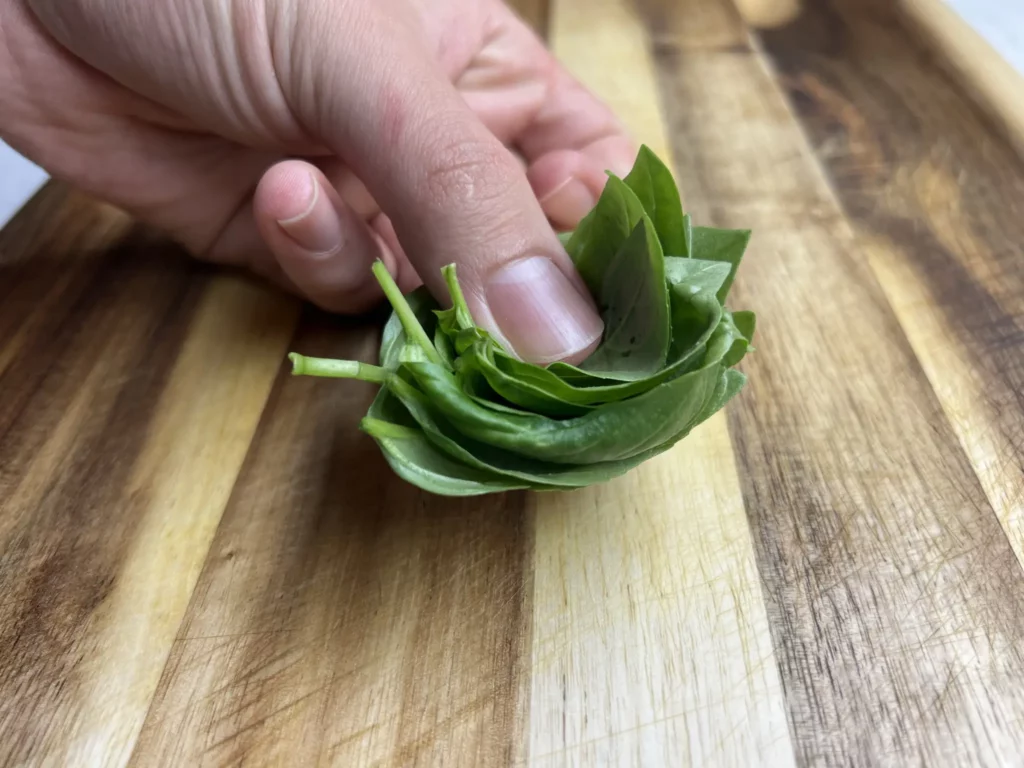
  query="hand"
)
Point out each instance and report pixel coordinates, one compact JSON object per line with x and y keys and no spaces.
{"x":303,"y":140}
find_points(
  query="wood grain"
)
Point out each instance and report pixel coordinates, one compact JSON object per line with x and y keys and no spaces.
{"x":130,"y":385}
{"x":893,"y":594}
{"x":650,"y":636}
{"x":985,"y":76}
{"x":938,"y":204}
{"x":342,"y":616}
{"x":204,"y":562}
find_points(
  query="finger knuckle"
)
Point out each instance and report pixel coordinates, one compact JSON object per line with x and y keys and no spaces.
{"x":470,"y":176}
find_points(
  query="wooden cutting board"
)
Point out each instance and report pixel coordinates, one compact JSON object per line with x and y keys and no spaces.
{"x":203,"y":562}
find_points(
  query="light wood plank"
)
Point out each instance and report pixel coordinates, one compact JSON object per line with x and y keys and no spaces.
{"x":893,"y":593}
{"x":186,"y":470}
{"x":937,"y":200}
{"x":125,"y":412}
{"x":650,"y":637}
{"x":343,"y":617}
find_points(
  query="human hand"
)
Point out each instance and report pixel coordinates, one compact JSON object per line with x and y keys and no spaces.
{"x":303,"y":140}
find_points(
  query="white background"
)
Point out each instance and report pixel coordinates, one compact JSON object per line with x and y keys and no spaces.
{"x":19,"y":180}
{"x":1001,"y":22}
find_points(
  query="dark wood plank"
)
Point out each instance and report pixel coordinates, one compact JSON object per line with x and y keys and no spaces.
{"x":533,"y":12}
{"x":983,"y":73}
{"x":938,"y":198}
{"x":896,"y":601}
{"x":343,"y":616}
{"x":108,"y":491}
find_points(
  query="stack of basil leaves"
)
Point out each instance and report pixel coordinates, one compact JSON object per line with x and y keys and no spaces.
{"x":457,"y":415}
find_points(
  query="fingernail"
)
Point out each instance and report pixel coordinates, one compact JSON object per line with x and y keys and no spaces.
{"x":317,"y":228}
{"x":540,"y":312}
{"x":569,"y":202}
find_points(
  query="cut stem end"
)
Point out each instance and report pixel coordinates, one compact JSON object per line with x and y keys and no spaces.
{"x":336,"y":369}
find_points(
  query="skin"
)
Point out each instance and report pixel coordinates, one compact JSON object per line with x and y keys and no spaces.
{"x":304,"y":139}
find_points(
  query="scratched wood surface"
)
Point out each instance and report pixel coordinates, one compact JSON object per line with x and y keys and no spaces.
{"x":203,"y":562}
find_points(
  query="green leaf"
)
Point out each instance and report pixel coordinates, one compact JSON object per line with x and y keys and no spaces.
{"x":615,"y":431}
{"x":695,"y":316}
{"x":597,"y":240}
{"x":443,"y":345}
{"x":458,"y":415}
{"x":686,"y":279}
{"x":729,"y":341}
{"x":656,"y":189}
{"x":697,"y":274}
{"x":635,"y":303}
{"x":733,"y":382}
{"x":486,"y":458}
{"x":746,"y":322}
{"x":725,"y":245}
{"x":537,"y":396}
{"x":414,"y":459}
{"x":722,"y":344}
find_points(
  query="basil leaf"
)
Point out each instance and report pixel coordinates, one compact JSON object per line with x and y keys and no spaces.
{"x":406,"y":449}
{"x":615,"y":431}
{"x":737,"y":350}
{"x":730,"y":384}
{"x":695,"y":315}
{"x":521,"y":390}
{"x":656,"y":189}
{"x":746,"y":322}
{"x":458,"y":415}
{"x":599,"y":236}
{"x":698,"y":273}
{"x":635,"y":303}
{"x":445,"y":348}
{"x":726,"y":245}
{"x":414,"y":459}
{"x":538,"y":474}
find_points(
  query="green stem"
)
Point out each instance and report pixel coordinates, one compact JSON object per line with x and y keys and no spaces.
{"x":381,"y":428}
{"x":412,"y":326}
{"x":454,"y":289}
{"x":336,"y":369}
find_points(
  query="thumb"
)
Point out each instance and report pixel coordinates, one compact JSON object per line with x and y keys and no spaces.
{"x":454,"y":194}
{"x":472,"y":205}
